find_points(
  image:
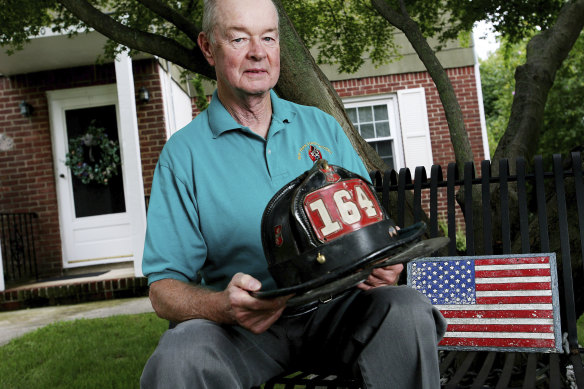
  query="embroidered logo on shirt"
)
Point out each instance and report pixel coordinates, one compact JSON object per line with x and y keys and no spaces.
{"x":313,"y":150}
{"x":314,"y":153}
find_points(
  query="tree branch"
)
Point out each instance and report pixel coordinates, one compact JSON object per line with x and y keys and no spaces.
{"x":190,"y":59}
{"x":458,"y":134}
{"x":168,"y":13}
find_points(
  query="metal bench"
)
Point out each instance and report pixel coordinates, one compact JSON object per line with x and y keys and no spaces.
{"x":534,"y":228}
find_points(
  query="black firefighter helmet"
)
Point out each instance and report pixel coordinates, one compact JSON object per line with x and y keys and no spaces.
{"x":325,"y":231}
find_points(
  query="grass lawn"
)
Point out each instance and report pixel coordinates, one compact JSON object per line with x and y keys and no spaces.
{"x":96,"y":353}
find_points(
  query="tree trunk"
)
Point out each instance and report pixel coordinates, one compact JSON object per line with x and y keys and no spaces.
{"x":545,"y":54}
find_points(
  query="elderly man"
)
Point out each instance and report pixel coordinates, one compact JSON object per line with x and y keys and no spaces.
{"x":203,"y":254}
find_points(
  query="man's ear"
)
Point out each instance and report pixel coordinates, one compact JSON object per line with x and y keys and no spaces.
{"x":205,"y":46}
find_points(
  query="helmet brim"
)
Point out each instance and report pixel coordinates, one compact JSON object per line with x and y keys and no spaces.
{"x":407,"y":247}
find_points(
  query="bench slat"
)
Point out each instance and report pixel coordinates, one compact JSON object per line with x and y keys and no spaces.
{"x":555,"y":379}
{"x":507,"y":371}
{"x":446,"y":362}
{"x":485,"y":370}
{"x":461,"y":371}
{"x":530,"y":374}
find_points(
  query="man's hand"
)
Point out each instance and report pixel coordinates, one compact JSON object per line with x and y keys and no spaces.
{"x":387,"y":275}
{"x":256,"y":315}
{"x":178,"y":301}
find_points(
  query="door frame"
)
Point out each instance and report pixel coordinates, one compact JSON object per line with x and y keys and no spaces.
{"x":122,"y":95}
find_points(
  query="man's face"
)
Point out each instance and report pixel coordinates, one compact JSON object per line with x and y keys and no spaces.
{"x":246,"y":52}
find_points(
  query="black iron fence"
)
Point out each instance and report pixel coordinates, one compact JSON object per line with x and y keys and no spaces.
{"x":18,"y":232}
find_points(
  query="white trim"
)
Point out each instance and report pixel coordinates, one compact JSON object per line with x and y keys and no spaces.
{"x":413,"y":116}
{"x":176,"y":103}
{"x":480,"y":102}
{"x":135,"y":203}
{"x":167,"y":100}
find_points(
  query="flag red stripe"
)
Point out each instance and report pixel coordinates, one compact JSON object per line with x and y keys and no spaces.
{"x":515,"y":300}
{"x":536,"y":328}
{"x":512,"y":273}
{"x":515,"y":286}
{"x":528,"y":313}
{"x":511,"y":261}
{"x":494,"y":342}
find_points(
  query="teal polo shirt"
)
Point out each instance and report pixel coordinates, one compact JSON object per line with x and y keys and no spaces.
{"x":213,"y":180}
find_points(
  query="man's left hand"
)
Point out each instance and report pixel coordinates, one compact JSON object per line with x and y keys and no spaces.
{"x":382,"y":276}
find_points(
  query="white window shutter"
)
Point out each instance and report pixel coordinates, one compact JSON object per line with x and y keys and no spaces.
{"x":415,"y":129}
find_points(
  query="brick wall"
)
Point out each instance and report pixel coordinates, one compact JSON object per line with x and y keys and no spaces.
{"x":151,"y":120}
{"x":27,"y":183}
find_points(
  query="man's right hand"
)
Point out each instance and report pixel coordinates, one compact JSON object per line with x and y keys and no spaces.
{"x":256,"y":315}
{"x":178,"y":301}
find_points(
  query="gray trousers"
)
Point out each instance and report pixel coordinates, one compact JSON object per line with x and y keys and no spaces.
{"x":386,"y":337}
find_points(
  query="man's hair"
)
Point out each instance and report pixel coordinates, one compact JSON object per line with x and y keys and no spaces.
{"x":210,"y":18}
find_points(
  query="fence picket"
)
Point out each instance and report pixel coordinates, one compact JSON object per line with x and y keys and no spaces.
{"x":451,"y":178}
{"x":522,"y":204}
{"x":468,"y":203}
{"x":504,"y":193}
{"x":486,"y":199}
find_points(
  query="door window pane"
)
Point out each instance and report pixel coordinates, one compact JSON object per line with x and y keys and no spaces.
{"x":94,"y":199}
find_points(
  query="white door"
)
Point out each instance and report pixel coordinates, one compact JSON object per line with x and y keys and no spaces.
{"x":96,"y":226}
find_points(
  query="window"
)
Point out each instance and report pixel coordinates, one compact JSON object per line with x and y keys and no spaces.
{"x":375,"y":119}
{"x":396,"y":126}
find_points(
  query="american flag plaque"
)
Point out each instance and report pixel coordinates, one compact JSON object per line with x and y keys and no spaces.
{"x":494,"y":303}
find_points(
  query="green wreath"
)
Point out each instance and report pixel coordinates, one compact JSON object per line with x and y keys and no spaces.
{"x":93,"y":157}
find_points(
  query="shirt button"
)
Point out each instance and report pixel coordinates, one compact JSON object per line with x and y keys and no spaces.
{"x":269,"y":151}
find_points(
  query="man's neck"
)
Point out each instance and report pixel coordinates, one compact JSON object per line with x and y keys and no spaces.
{"x":254,"y":112}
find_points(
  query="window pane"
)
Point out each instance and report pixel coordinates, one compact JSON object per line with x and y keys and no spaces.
{"x":94,"y":199}
{"x":389,"y":162}
{"x":382,"y":129}
{"x":352,"y":112}
{"x":384,"y":148}
{"x":365,"y":114}
{"x":367,"y":131}
{"x":380,"y":112}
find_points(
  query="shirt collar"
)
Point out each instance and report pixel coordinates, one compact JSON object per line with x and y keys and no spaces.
{"x":221,"y":121}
